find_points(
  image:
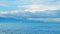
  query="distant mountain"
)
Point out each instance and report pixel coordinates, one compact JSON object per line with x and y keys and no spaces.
{"x":3,"y":19}
{"x":25,"y":20}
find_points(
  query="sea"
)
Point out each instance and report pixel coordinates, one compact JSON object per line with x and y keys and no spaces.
{"x":29,"y":28}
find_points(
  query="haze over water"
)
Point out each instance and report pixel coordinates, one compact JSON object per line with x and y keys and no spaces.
{"x":29,"y":16}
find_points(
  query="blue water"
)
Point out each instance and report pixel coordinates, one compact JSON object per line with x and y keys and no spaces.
{"x":29,"y":28}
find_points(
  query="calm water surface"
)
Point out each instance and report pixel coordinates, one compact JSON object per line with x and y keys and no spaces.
{"x":29,"y":28}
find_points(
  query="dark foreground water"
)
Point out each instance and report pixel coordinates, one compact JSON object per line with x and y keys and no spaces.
{"x":29,"y":28}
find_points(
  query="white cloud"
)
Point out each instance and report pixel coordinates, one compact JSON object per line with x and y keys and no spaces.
{"x":9,"y":12}
{"x":39,"y":7}
{"x":13,"y":14}
{"x":2,"y":4}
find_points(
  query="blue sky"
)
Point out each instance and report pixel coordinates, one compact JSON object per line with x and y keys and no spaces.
{"x":33,"y":9}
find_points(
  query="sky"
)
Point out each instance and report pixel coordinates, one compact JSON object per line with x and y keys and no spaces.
{"x":33,"y":10}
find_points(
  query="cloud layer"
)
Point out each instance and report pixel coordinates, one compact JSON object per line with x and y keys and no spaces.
{"x":36,"y":7}
{"x":31,"y":9}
